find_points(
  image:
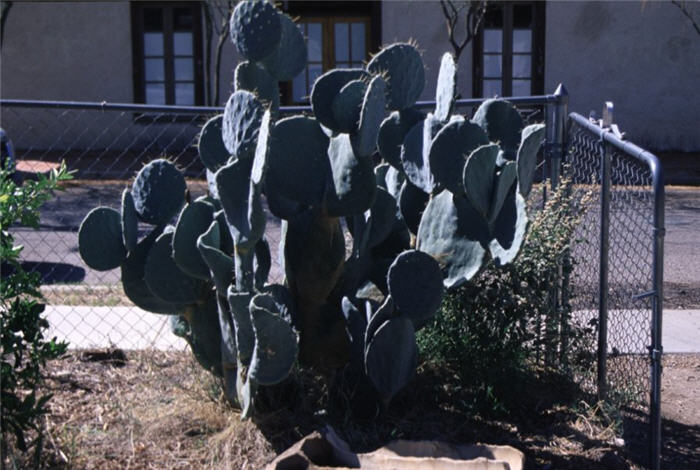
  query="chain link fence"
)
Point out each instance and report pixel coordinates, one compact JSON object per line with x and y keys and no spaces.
{"x":105,"y":148}
{"x":616,"y":248}
{"x":105,"y":145}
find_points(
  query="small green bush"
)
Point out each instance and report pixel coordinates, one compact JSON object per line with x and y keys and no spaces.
{"x":23,"y":348}
{"x":509,"y":319}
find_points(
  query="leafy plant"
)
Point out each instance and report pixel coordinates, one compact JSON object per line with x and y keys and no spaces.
{"x":506,"y":320}
{"x":23,"y":347}
{"x":449,"y":197}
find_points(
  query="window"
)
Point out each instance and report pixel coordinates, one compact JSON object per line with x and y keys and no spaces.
{"x":338,"y":35}
{"x":167,"y":53}
{"x":509,"y":51}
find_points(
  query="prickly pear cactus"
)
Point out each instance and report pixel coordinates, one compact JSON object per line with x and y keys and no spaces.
{"x":449,"y":195}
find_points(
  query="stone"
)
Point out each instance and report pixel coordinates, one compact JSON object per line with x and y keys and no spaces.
{"x":325,"y":450}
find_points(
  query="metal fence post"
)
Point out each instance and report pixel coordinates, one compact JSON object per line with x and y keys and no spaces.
{"x":603,"y":274}
{"x":656,"y":349}
{"x":561,"y":111}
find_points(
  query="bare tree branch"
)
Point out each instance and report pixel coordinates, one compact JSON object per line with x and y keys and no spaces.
{"x":473,"y":18}
{"x":222,"y":10}
{"x":683,"y":7}
{"x":208,"y":26}
{"x":3,"y":18}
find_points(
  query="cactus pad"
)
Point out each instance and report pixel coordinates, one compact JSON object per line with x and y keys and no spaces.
{"x":412,"y":203}
{"x":262,"y":263}
{"x":446,"y":87}
{"x":383,"y":216}
{"x":479,"y":174}
{"x":504,"y":182}
{"x":402,"y":67}
{"x":194,"y":220}
{"x":353,"y":178}
{"x":242,"y":117}
{"x":450,"y":149}
{"x":289,"y":58}
{"x":165,"y":279}
{"x":392,"y":356}
{"x":212,"y":150}
{"x":262,"y":149}
{"x":509,"y":229}
{"x":135,"y":288}
{"x":347,"y":105}
{"x":415,"y":284}
{"x":276,"y":346}
{"x":298,"y":166}
{"x":502,"y":123}
{"x":158,"y":192}
{"x":241,"y":201}
{"x":251,"y":77}
{"x":255,"y":29}
{"x":130,"y":223}
{"x":245,"y":338}
{"x":100,"y":239}
{"x":453,"y":233}
{"x":415,"y":153}
{"x":219,"y":263}
{"x":527,"y":156}
{"x":373,"y":111}
{"x":205,"y":334}
{"x":393,"y":131}
{"x":382,"y":314}
{"x":325,"y":90}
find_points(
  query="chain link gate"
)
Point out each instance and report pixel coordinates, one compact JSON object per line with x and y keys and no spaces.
{"x":617,"y":276}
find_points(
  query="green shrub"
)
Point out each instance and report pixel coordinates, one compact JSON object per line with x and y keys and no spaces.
{"x":23,"y":348}
{"x":509,"y":319}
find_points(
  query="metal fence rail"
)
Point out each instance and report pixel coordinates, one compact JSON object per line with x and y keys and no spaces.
{"x":618,"y":264}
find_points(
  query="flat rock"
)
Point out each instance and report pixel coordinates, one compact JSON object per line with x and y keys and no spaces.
{"x":325,"y":450}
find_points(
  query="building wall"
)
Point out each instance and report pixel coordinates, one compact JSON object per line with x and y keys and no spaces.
{"x":423,"y":22}
{"x":79,"y":51}
{"x":642,"y":56}
{"x":68,"y":51}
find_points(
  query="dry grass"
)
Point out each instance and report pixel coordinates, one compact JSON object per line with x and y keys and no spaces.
{"x":158,"y":410}
{"x":85,"y":295}
{"x":161,"y":410}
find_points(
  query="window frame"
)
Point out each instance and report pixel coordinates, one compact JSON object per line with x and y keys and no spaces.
{"x":537,"y":53}
{"x":328,"y":14}
{"x":139,"y":58}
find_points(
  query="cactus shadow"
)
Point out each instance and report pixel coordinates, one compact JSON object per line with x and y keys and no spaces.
{"x":434,"y":407}
{"x":53,"y":273}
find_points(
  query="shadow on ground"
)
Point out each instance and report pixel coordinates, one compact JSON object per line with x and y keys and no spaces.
{"x":680,"y":442}
{"x":543,"y":421}
{"x":51,"y":273}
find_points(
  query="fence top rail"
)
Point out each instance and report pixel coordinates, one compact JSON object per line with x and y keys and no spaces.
{"x":627,"y":147}
{"x":149,"y":108}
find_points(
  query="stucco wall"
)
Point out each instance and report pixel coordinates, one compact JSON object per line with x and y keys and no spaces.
{"x":423,"y":21}
{"x":643,"y":56}
{"x":68,"y":51}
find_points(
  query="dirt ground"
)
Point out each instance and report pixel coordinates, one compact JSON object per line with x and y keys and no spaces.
{"x":160,"y":410}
